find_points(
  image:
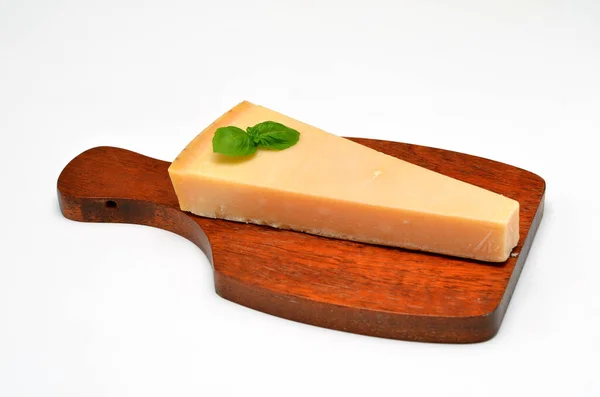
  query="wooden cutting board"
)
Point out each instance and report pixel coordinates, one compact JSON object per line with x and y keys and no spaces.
{"x":343,"y":285}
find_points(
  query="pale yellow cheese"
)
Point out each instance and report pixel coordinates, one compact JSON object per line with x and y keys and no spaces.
{"x":331,"y":186}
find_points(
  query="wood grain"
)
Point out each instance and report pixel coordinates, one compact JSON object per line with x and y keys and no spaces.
{"x":343,"y":285}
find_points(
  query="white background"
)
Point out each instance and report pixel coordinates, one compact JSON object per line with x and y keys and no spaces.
{"x":120,"y":310}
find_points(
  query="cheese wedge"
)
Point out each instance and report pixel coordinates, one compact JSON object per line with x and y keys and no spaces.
{"x":330,"y":186}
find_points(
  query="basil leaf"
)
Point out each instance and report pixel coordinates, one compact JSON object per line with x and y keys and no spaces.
{"x":274,"y":136}
{"x":233,"y":141}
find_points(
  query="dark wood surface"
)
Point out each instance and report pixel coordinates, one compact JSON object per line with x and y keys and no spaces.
{"x":343,"y":285}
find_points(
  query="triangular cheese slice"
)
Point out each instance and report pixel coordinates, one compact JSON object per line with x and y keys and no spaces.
{"x":331,"y":186}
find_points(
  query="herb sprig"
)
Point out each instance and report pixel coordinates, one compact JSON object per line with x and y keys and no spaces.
{"x":234,"y":141}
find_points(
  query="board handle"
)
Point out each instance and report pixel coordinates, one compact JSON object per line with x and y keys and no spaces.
{"x":109,"y":184}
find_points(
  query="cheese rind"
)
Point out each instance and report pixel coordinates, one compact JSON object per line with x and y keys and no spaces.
{"x":334,"y":187}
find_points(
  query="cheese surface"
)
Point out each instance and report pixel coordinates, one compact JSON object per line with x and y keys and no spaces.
{"x":330,"y":186}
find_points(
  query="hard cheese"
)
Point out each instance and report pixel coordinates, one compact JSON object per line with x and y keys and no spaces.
{"x":331,"y":186}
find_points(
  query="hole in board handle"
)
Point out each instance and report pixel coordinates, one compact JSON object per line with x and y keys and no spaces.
{"x":111,"y":204}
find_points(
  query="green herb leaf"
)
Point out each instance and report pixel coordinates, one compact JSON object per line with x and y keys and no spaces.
{"x":274,"y":136}
{"x":233,"y":141}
